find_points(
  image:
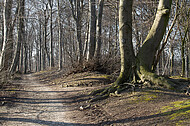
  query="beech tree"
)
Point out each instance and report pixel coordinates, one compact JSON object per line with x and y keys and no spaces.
{"x":139,"y":66}
{"x":92,"y":29}
{"x":20,"y":38}
{"x":60,"y":36}
{"x":99,"y":29}
{"x":77,"y":11}
{"x":51,"y":34}
{"x":7,"y":45}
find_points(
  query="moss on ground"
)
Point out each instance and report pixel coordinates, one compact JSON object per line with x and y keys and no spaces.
{"x":178,"y":111}
{"x":143,"y":97}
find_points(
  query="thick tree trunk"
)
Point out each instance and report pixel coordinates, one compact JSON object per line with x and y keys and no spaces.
{"x":99,"y":29}
{"x":21,"y":65}
{"x":45,"y":37}
{"x":51,"y":34}
{"x":7,"y":20}
{"x":187,"y":65}
{"x":2,"y":27}
{"x":77,"y":9}
{"x":125,"y":39}
{"x":92,"y":29}
{"x":172,"y":60}
{"x":60,"y":37}
{"x":9,"y":49}
{"x":26,"y":57}
{"x":79,"y":28}
{"x":142,"y":64}
{"x":40,"y":44}
{"x":21,"y":31}
{"x":150,"y":46}
{"x":183,"y":52}
{"x":153,"y":39}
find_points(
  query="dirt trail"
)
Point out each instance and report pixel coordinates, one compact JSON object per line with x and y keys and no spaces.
{"x":42,"y":102}
{"x":37,"y":104}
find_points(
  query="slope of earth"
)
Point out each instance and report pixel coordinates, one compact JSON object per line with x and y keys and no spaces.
{"x":53,"y":98}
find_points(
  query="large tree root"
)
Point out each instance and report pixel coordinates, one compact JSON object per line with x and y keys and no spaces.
{"x":116,"y":88}
{"x":156,"y":80}
{"x":113,"y":90}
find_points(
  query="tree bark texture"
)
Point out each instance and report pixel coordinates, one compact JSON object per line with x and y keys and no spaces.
{"x":77,"y":9}
{"x":7,"y":38}
{"x":155,"y":35}
{"x":92,"y":29}
{"x":51,"y":34}
{"x":21,"y":32}
{"x":99,"y":29}
{"x":150,"y":45}
{"x":125,"y":40}
{"x":60,"y":37}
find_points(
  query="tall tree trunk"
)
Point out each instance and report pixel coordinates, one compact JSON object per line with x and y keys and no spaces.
{"x":79,"y":28}
{"x":85,"y":50}
{"x":60,"y":37}
{"x":45,"y":36}
{"x":26,"y":48}
{"x":2,"y":27}
{"x":21,"y":65}
{"x":7,"y":20}
{"x":167,"y":36}
{"x":21,"y":32}
{"x":77,"y":9}
{"x":40,"y":46}
{"x":51,"y":34}
{"x":92,"y":29}
{"x":9,"y":48}
{"x":141,"y":65}
{"x":187,"y":66}
{"x":150,"y":45}
{"x":125,"y":40}
{"x":172,"y":60}
{"x":183,"y":40}
{"x":99,"y":29}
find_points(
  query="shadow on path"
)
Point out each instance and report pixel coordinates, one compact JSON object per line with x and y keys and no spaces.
{"x":43,"y":122}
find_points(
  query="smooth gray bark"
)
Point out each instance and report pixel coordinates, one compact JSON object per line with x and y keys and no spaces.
{"x":125,"y":40}
{"x":152,"y":42}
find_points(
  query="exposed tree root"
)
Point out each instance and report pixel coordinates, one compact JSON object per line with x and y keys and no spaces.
{"x":116,"y":89}
{"x":113,"y":90}
{"x":159,"y":81}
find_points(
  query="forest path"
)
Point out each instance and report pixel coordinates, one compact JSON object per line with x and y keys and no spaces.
{"x":37,"y":104}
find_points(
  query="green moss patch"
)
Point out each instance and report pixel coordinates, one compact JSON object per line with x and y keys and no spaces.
{"x":178,"y":110}
{"x":143,"y":97}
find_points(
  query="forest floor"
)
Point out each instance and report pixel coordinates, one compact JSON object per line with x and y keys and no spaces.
{"x":54,"y":99}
